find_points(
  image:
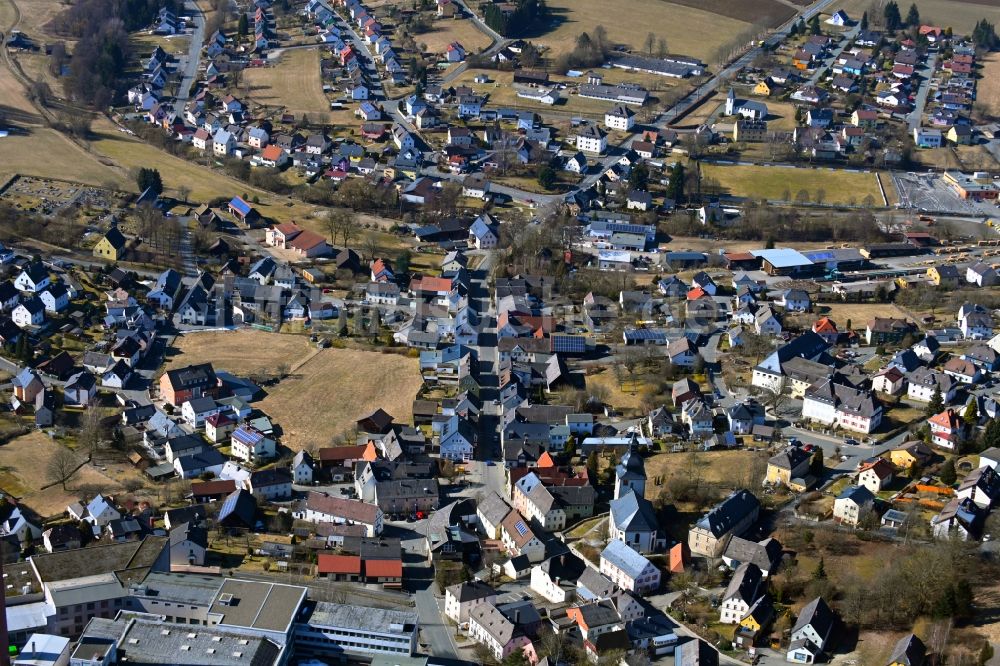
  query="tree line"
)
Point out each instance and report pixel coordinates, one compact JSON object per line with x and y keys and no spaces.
{"x":511,"y":24}
{"x":101,"y":55}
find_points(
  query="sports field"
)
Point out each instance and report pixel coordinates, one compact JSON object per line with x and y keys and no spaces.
{"x":776,"y":183}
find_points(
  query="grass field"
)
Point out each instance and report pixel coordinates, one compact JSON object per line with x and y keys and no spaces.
{"x":131,"y":153}
{"x":240,"y":351}
{"x":293,"y":83}
{"x":447,"y":31}
{"x":838,"y":186}
{"x":960,"y":16}
{"x":688,"y":30}
{"x":335,"y":388}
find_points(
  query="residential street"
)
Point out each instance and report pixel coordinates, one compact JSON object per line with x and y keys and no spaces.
{"x":193,"y":59}
{"x":925,"y":73}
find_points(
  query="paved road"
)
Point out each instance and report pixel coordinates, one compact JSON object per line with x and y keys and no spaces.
{"x":926,"y":72}
{"x":848,"y":38}
{"x":433,"y":628}
{"x":193,"y":58}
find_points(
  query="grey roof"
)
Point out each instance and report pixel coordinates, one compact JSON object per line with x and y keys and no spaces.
{"x":494,"y":508}
{"x":909,"y":651}
{"x":188,"y":532}
{"x":789,"y":459}
{"x":631,"y":466}
{"x":597,"y":583}
{"x":763,"y":554}
{"x":361,"y":618}
{"x":817,"y":614}
{"x":493,"y":622}
{"x":729,"y":512}
{"x":633,"y":513}
{"x":471,"y":591}
{"x":625,"y":558}
{"x":745,"y":584}
{"x":258,"y":605}
{"x":599,"y":614}
{"x":141,"y":641}
{"x":123,"y":559}
{"x":857,"y":494}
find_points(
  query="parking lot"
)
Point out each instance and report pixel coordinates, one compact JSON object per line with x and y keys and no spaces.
{"x":928,"y":192}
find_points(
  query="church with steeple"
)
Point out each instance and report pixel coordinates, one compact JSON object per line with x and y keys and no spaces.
{"x":630,"y":474}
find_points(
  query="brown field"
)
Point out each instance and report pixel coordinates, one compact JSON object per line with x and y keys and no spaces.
{"x":64,"y":159}
{"x":239,"y":351}
{"x":36,"y":14}
{"x":688,"y":30}
{"x":770,"y":12}
{"x":780,"y":115}
{"x":22,"y":473}
{"x":715,"y":467}
{"x":294,"y":83}
{"x":36,"y":67}
{"x":621,"y":396}
{"x":960,"y":16}
{"x":859,"y":313}
{"x":324,"y":397}
{"x":8,"y":15}
{"x":988,"y":88}
{"x":447,"y":31}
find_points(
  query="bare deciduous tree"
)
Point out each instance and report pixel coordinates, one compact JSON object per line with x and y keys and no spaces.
{"x":62,"y":466}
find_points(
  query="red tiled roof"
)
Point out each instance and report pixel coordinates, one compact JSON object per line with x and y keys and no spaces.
{"x":824,"y":325}
{"x":339,"y":564}
{"x":271,"y":153}
{"x":431,"y":284}
{"x":946,"y":419}
{"x":384,"y":568}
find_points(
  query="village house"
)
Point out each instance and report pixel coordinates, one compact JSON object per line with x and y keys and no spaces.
{"x":732,"y":517}
{"x":876,"y":475}
{"x":628,"y":569}
{"x":851,"y":503}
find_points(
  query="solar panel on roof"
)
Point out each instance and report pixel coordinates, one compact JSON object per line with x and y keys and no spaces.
{"x":521,"y":528}
{"x":568,"y":343}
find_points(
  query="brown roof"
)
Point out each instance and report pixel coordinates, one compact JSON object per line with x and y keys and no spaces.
{"x":338,"y":507}
{"x":306,"y":240}
{"x":213,"y":488}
